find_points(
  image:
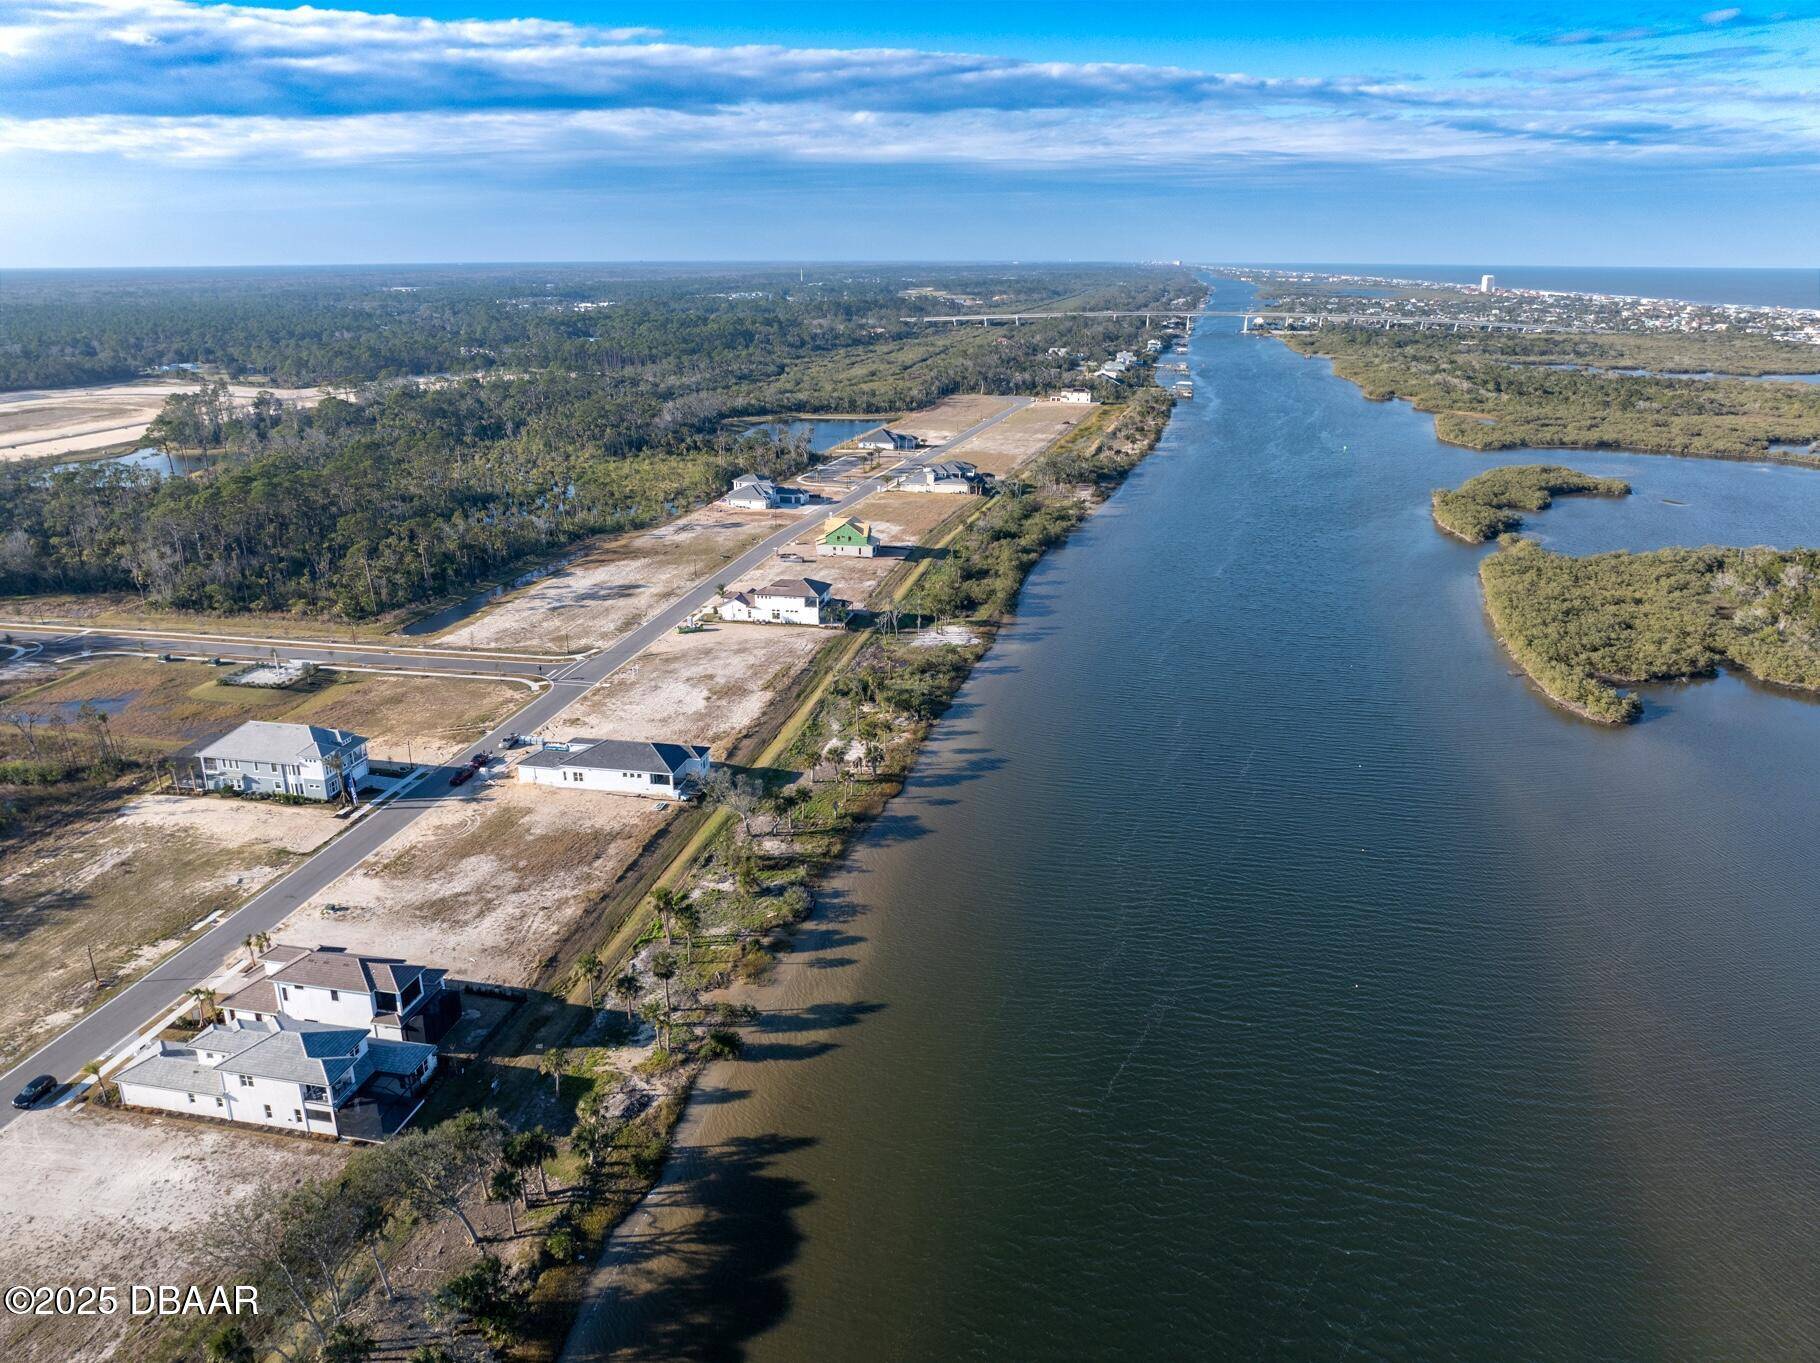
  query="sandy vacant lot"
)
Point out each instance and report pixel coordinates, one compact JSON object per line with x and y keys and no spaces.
{"x":488,"y":885}
{"x":127,"y":882}
{"x":900,"y":520}
{"x":42,"y":422}
{"x":122,"y":1198}
{"x":949,"y":417}
{"x":484,"y":886}
{"x":1022,"y":435}
{"x":150,"y":704}
{"x":607,"y":590}
{"x":695,"y":688}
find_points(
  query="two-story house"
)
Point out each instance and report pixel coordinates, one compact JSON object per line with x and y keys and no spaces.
{"x":309,"y":1077}
{"x":392,"y":999}
{"x":793,"y":601}
{"x":266,"y":758}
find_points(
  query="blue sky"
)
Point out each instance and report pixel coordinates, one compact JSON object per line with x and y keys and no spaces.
{"x":138,"y":132}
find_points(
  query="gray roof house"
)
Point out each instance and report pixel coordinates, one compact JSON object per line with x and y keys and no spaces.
{"x":662,"y":771}
{"x":884,"y":438}
{"x":314,"y":1078}
{"x":950,"y":475}
{"x":392,"y":999}
{"x":265,"y":758}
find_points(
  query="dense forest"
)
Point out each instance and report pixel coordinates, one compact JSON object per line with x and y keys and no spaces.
{"x":404,"y":490}
{"x":1581,"y":626}
{"x":305,"y":327}
{"x":1493,"y":393}
{"x":1486,"y":506}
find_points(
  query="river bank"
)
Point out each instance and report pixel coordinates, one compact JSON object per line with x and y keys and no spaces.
{"x":877,"y":712}
{"x":1251,"y":967}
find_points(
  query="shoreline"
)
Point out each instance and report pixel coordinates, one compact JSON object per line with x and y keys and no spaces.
{"x":614,"y":1254}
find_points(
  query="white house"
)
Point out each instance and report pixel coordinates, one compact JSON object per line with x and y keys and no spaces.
{"x":265,"y":758}
{"x":311,"y":1077}
{"x":752,"y":493}
{"x":884,"y":438}
{"x":793,"y":601}
{"x":392,"y":999}
{"x":950,"y":476}
{"x":1076,"y":395}
{"x":659,"y":771}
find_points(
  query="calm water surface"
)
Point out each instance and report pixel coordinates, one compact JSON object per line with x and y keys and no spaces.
{"x":1257,"y":968}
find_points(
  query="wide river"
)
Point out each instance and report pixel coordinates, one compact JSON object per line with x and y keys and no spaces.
{"x":1257,"y":968}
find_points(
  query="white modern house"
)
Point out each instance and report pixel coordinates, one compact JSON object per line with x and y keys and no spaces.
{"x":1075,"y":395}
{"x":793,"y":601}
{"x":954,"y":476}
{"x":314,"y":1078}
{"x":884,"y":438}
{"x":392,"y":999}
{"x":658,"y":771}
{"x":265,"y":758}
{"x":752,"y":493}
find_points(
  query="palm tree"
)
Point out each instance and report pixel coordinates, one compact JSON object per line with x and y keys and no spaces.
{"x":528,"y":1150}
{"x":204,"y":999}
{"x":663,"y":970}
{"x":687,"y":914}
{"x":663,"y":903}
{"x":589,"y":969}
{"x":507,"y":1185}
{"x":552,"y":1063}
{"x":255,"y":943}
{"x":626,"y":988}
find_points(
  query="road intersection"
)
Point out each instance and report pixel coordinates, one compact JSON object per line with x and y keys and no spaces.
{"x":105,"y":1029}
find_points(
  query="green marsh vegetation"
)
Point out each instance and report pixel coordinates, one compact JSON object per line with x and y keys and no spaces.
{"x":1495,"y":392}
{"x":1486,"y":506}
{"x":1582,"y":627}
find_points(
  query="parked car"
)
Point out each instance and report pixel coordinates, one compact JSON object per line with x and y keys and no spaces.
{"x":32,"y":1092}
{"x":462,"y":774}
{"x":791,"y":558}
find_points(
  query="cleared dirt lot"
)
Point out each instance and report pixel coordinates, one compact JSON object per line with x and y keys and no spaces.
{"x":163,"y":706}
{"x":485,"y":886}
{"x":488,"y":885}
{"x":900,"y":520}
{"x":41,"y":422}
{"x":949,"y":417}
{"x":125,"y":880}
{"x":608,"y":589}
{"x":1022,"y":435}
{"x":121,"y":1198}
{"x":695,"y":688}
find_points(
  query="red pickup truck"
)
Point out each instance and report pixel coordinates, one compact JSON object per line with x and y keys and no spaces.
{"x":467,"y":770}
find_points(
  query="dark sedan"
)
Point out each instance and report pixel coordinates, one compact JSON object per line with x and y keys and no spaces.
{"x":32,"y":1092}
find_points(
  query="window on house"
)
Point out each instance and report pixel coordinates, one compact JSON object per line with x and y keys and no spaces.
{"x":246,"y":1081}
{"x":268,"y":1109}
{"x":334,"y":996}
{"x":297,"y":1114}
{"x":218,"y":1102}
{"x":190,"y":1096}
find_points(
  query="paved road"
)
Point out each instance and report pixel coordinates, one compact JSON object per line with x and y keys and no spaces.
{"x":64,"y":642}
{"x":109,"y":1026}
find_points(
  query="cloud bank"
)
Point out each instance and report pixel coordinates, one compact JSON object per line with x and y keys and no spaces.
{"x":174,"y":82}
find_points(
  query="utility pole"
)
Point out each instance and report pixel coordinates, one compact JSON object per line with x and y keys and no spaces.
{"x":91,"y":965}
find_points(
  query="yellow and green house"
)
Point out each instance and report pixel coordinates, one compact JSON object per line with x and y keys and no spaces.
{"x":845,"y":537}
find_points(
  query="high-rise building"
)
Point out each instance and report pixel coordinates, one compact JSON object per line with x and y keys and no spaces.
{"x":1488,"y":283}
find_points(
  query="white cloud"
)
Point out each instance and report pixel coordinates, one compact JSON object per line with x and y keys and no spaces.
{"x":175,"y":81}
